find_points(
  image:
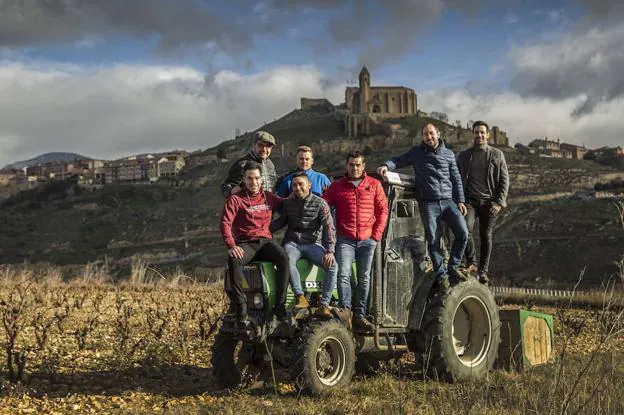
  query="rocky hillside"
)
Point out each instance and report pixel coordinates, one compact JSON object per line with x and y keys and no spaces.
{"x":543,"y":238}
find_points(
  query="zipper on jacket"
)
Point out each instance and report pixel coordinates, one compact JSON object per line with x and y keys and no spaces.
{"x":357,"y":212}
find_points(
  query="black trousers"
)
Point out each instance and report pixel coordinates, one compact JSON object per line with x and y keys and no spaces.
{"x":260,"y":250}
{"x":479,"y":209}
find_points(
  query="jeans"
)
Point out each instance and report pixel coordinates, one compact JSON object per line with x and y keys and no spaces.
{"x":432,"y":215}
{"x":363,"y":252}
{"x":260,"y":250}
{"x":480,"y":209}
{"x":314,"y":253}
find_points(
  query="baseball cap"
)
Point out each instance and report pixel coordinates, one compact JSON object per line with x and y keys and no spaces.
{"x":263,"y":136}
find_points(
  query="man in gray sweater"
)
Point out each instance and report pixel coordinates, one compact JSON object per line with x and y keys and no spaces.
{"x":262,"y":144}
{"x":307,"y":215}
{"x":485,"y":179}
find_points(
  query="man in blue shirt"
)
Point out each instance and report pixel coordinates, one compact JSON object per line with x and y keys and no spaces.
{"x":440,"y":198}
{"x":305,"y":160}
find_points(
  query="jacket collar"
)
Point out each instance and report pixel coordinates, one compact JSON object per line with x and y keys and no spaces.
{"x":255,"y":156}
{"x":485,"y":148}
{"x":307,"y":198}
{"x":440,"y":146}
{"x":247,"y":193}
{"x":346,"y":177}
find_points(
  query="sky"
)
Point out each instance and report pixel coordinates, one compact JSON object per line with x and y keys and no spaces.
{"x":112,"y":78}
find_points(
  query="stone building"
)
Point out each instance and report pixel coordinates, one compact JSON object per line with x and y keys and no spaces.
{"x":498,"y":137}
{"x":572,"y":151}
{"x":368,"y":106}
{"x":555,"y":148}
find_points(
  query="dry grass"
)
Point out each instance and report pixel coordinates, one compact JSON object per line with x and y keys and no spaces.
{"x":93,"y":346}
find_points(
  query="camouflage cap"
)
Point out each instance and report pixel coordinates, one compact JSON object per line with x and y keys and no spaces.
{"x":263,"y":136}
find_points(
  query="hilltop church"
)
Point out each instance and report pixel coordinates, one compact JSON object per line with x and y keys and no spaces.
{"x":369,"y":105}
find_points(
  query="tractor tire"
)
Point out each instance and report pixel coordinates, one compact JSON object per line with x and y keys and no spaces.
{"x":235,"y":363}
{"x":324,"y":357}
{"x":460,"y":333}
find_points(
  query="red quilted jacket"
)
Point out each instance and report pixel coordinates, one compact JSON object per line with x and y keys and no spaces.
{"x":361,"y":212}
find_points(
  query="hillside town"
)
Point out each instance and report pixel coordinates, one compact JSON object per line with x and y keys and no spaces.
{"x":376,"y":117}
{"x":141,"y":168}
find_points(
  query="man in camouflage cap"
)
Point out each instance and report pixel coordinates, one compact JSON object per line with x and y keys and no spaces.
{"x":262,"y":144}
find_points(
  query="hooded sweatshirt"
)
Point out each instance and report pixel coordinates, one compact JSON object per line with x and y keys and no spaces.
{"x":247,"y":216}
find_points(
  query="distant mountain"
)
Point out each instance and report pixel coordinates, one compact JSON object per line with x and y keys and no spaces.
{"x":45,"y":158}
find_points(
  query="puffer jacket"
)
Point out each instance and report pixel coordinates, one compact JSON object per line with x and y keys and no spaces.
{"x":306,"y":219}
{"x":235,"y":174}
{"x":435,"y":170}
{"x":361,"y":212}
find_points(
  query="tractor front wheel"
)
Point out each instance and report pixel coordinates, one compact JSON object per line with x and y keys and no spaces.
{"x":324,"y":357}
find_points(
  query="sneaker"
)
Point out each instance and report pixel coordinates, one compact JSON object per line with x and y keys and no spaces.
{"x":483,"y":277}
{"x":302,"y":302}
{"x":323,"y":311}
{"x":362,"y":323}
{"x":471,"y":269}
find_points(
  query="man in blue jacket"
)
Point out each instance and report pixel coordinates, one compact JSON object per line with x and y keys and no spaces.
{"x":305,"y":160}
{"x":440,"y":197}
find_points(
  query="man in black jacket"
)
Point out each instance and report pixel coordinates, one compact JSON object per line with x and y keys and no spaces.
{"x":307,"y":216}
{"x":259,"y":152}
{"x":486,"y":182}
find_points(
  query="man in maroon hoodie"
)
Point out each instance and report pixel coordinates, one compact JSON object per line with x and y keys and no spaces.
{"x":245,"y":229}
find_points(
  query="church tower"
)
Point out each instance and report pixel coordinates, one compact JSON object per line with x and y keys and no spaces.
{"x":365,"y":90}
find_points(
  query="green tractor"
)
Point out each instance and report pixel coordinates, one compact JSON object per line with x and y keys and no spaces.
{"x":454,"y":333}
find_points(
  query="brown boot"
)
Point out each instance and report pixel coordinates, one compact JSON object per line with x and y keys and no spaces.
{"x":323,"y":311}
{"x":343,"y":314}
{"x":302,"y":302}
{"x":361,"y":323}
{"x":471,"y":269}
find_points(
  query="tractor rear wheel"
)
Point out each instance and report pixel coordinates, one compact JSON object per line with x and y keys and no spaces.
{"x":235,"y":363}
{"x":324,"y":357}
{"x":460,"y":333}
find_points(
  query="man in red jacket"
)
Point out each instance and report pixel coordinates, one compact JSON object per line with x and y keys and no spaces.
{"x":245,"y":229}
{"x":361,"y":217}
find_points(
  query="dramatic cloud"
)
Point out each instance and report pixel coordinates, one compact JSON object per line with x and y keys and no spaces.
{"x":585,"y":62}
{"x":176,"y":23}
{"x":603,"y":9}
{"x":117,"y":111}
{"x":527,"y":118}
{"x":380,"y":32}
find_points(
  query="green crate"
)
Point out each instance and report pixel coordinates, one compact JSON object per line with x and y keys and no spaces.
{"x":527,"y":339}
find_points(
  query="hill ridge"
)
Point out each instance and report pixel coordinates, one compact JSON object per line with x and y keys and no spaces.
{"x":45,"y":158}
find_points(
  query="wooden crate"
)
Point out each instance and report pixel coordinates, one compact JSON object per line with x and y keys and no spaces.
{"x":527,"y":339}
